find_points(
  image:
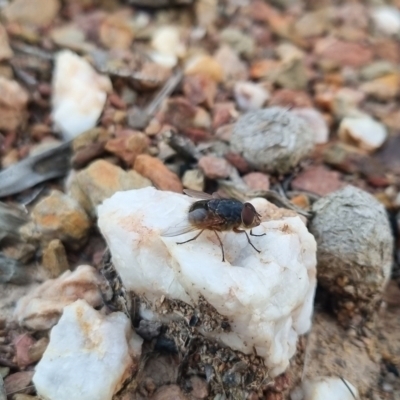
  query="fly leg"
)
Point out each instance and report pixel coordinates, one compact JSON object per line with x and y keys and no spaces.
{"x":248,"y":239}
{"x":191,"y":238}
{"x":253,"y":234}
{"x":222,"y":246}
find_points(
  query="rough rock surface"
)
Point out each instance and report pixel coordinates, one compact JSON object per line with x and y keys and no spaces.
{"x":355,"y":247}
{"x":265,"y":298}
{"x":272,"y":139}
{"x":88,"y":356}
{"x":41,"y":308}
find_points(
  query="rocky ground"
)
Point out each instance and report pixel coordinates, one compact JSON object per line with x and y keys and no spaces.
{"x":294,"y":101}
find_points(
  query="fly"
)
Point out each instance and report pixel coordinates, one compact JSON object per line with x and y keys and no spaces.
{"x":217,"y":215}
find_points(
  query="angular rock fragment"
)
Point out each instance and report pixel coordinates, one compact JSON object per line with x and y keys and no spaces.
{"x":251,"y":302}
{"x":41,"y":308}
{"x":79,"y":94}
{"x":58,"y":216}
{"x":101,"y":180}
{"x":89,"y":355}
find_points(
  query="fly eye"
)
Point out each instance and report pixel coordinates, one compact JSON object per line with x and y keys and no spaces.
{"x":248,"y":213}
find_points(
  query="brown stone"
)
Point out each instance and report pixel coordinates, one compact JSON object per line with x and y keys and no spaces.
{"x":116,"y":30}
{"x":128,"y":145}
{"x":161,"y":177}
{"x":319,"y":180}
{"x":55,"y":258}
{"x":384,"y":88}
{"x":13,"y":102}
{"x":290,"y":98}
{"x":5,"y":50}
{"x":101,"y":180}
{"x":264,"y":68}
{"x":187,"y":118}
{"x":238,"y":162}
{"x":341,"y":53}
{"x":22,"y":344}
{"x":257,"y":181}
{"x":214,"y":167}
{"x":36,"y":351}
{"x":18,"y":382}
{"x":200,"y":89}
{"x":223,"y":114}
{"x":36,"y":12}
{"x":60,"y":216}
{"x":205,"y":65}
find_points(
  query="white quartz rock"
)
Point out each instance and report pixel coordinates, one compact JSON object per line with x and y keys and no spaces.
{"x":79,"y":94}
{"x":364,"y":131}
{"x":328,"y":388}
{"x":89,"y":355}
{"x":41,"y":308}
{"x":386,"y":19}
{"x":267,"y":297}
{"x":250,"y":96}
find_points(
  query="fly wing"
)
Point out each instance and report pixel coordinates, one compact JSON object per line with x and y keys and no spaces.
{"x":197,"y":194}
{"x":179,"y":229}
{"x":201,"y":195}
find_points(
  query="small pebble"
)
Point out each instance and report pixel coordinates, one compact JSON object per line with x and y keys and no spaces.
{"x":256,"y":181}
{"x":363,"y":131}
{"x":60,"y":216}
{"x":13,"y":103}
{"x":128,"y":145}
{"x":79,"y":94}
{"x":5,"y":49}
{"x":167,"y":39}
{"x":155,"y":170}
{"x":55,"y":258}
{"x":386,"y":19}
{"x":214,"y":167}
{"x":193,"y":179}
{"x":250,"y":96}
{"x":101,"y":180}
{"x":272,"y":140}
{"x":318,"y":180}
{"x":205,"y":65}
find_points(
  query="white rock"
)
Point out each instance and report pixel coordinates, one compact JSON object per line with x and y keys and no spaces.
{"x":386,"y":19}
{"x":363,"y":130}
{"x":328,"y":388}
{"x":316,"y":121}
{"x":250,"y":96}
{"x":79,"y":94}
{"x":267,"y":297}
{"x":167,"y":43}
{"x":89,"y":355}
{"x":42,"y":307}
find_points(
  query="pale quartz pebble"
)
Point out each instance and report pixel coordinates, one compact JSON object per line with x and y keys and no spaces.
{"x":267,"y":296}
{"x":250,"y":96}
{"x":79,"y":94}
{"x":41,"y":308}
{"x":386,"y":19}
{"x":89,"y":355}
{"x":164,"y":59}
{"x":168,"y":45}
{"x":363,"y":130}
{"x":316,"y":121}
{"x":328,"y":388}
